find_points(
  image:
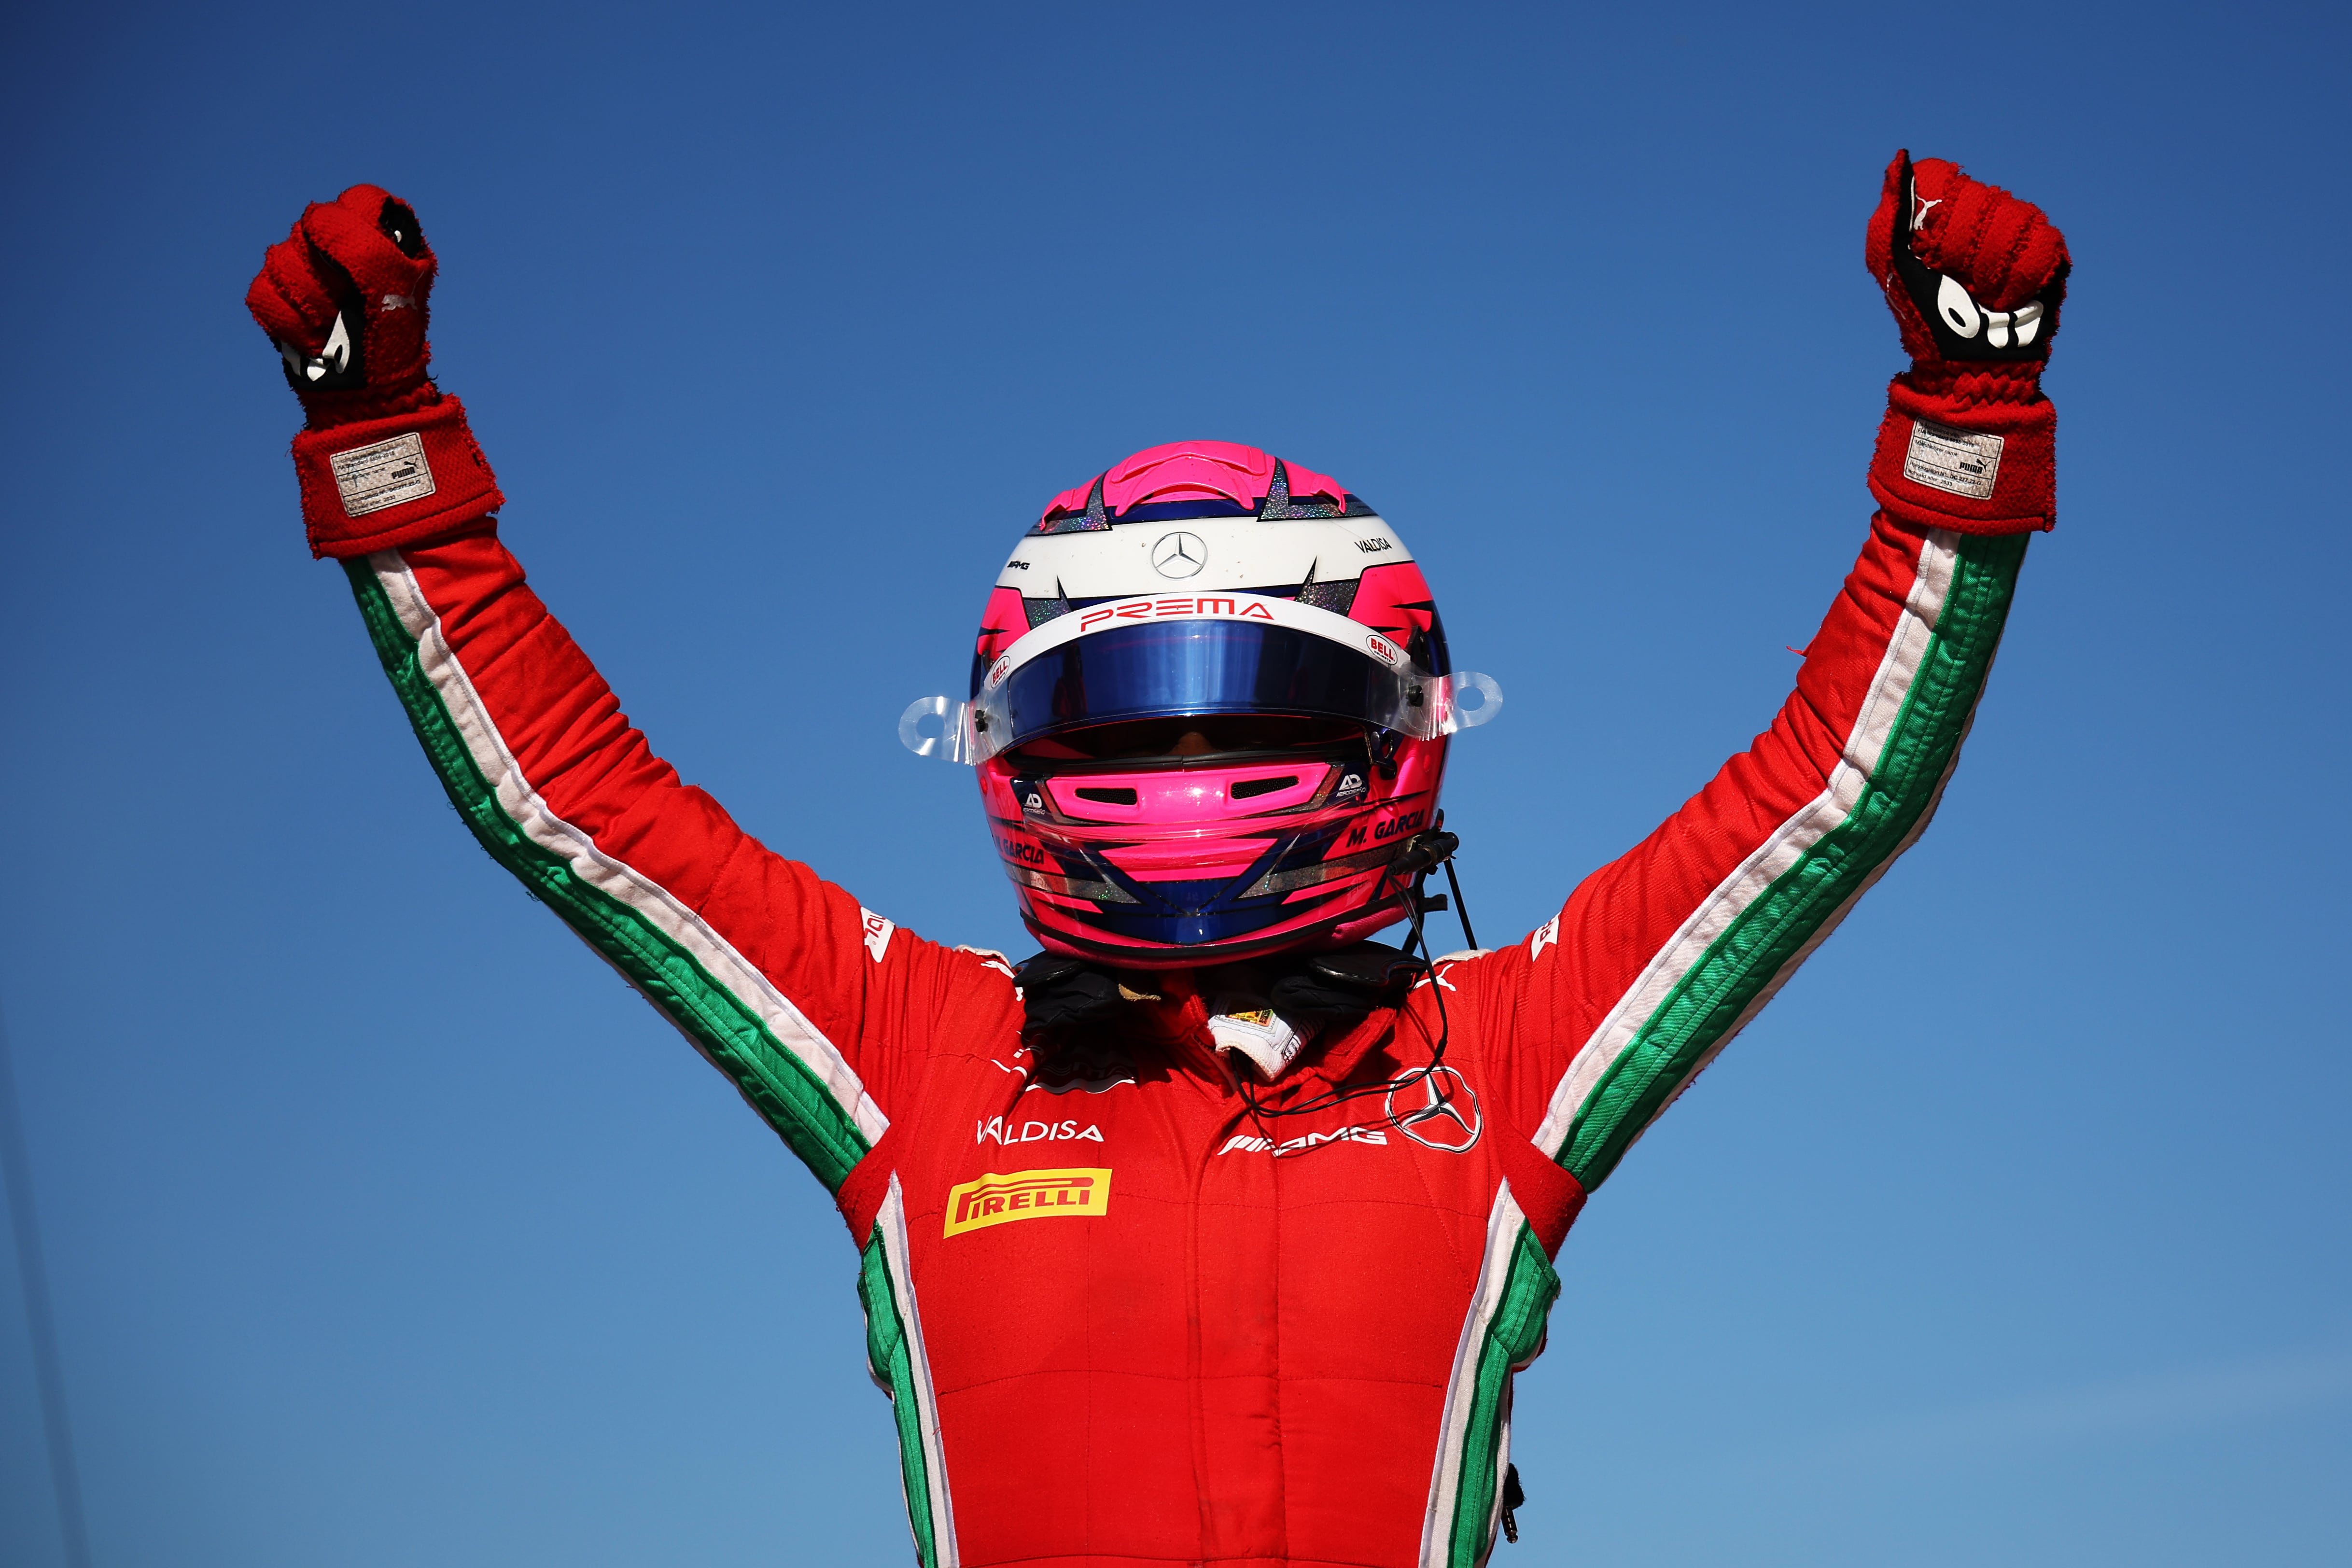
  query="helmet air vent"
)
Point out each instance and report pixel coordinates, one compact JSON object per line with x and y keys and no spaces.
{"x":1249,"y":787}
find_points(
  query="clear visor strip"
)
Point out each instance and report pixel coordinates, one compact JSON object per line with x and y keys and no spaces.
{"x":956,"y":738}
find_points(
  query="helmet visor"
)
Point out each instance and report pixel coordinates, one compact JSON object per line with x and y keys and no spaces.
{"x":1173,"y":668}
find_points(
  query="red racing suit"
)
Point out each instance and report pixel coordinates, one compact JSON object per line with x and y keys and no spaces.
{"x":1122,"y":1318}
{"x":1128,"y":1311}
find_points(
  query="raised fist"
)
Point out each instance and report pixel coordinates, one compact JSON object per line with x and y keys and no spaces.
{"x":386,"y":461}
{"x":1971,"y":272}
{"x":1975,"y":278}
{"x":344,"y":297}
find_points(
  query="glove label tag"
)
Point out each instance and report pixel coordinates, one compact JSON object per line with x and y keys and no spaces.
{"x":1964,"y":462}
{"x":385,"y":474}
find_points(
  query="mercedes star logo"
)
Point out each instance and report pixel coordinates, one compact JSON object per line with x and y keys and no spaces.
{"x":1179,"y":554}
{"x":1446,"y":1115}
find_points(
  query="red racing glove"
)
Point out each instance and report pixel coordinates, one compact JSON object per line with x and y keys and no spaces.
{"x":387,"y":460}
{"x":1975,"y":278}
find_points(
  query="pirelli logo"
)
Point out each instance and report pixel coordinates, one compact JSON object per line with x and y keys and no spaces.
{"x":1027,"y":1195}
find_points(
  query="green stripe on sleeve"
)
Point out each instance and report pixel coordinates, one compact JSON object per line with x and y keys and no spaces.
{"x":1734,"y":969}
{"x":891,"y":1359}
{"x":776,"y":1083}
{"x":1511,"y":1340}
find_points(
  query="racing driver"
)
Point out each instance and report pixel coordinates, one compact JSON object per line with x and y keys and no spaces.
{"x":1274,"y":1205}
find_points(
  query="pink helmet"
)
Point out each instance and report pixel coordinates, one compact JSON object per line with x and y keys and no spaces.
{"x":1209,"y":706}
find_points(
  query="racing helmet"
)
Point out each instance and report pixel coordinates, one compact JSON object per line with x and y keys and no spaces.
{"x":1209,"y":707}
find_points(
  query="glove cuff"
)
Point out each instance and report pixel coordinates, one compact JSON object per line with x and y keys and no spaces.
{"x":1970,"y":449}
{"x":380,"y":484}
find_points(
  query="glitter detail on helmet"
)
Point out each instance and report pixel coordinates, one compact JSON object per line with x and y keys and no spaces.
{"x":1278,"y":506}
{"x":1092,"y":519}
{"x":1338,"y":597}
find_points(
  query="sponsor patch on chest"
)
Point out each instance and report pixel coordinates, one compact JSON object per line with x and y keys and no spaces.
{"x":1012,"y":1129}
{"x":1027,"y":1195}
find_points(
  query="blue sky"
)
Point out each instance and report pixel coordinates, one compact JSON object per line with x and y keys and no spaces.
{"x":386,"y":1228}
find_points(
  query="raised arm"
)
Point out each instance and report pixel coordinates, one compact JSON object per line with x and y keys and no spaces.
{"x":1660,"y":957}
{"x":817,"y":1010}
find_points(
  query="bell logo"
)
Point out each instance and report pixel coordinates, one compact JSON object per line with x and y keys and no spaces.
{"x":1027,"y":1195}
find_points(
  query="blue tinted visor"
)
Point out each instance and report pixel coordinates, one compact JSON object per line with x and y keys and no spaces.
{"x":1173,"y":668}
